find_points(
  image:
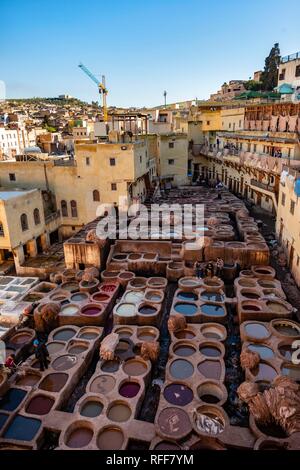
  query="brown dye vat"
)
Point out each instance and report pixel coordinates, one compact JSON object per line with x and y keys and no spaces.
{"x":249,"y":294}
{"x":110,"y":439}
{"x":137,"y":283}
{"x":213,"y":331}
{"x":119,"y":412}
{"x":124,"y":332}
{"x":291,"y":371}
{"x":286,"y":328}
{"x":54,"y":382}
{"x":181,"y":369}
{"x":210,"y":392}
{"x":245,"y":282}
{"x":39,"y":405}
{"x":210,"y":369}
{"x":174,"y":423}
{"x":267,"y":284}
{"x":29,"y":380}
{"x":88,"y":334}
{"x":134,"y":256}
{"x":146,"y":335}
{"x":134,"y":367}
{"x":251,"y":307}
{"x":79,"y":438}
{"x":54,"y":347}
{"x":70,"y":286}
{"x":63,"y":363}
{"x":184,"y":334}
{"x":276,"y":307}
{"x":127,"y":275}
{"x":99,"y":297}
{"x":103,"y":384}
{"x":21,"y":338}
{"x":264,"y":372}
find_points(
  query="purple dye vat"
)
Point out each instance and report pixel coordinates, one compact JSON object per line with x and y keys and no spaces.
{"x":91,"y":311}
{"x":129,"y":389}
{"x":178,"y":394}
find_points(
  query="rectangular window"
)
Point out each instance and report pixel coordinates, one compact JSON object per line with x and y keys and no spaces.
{"x":240,"y":123}
{"x":12,"y":177}
{"x":207,"y":123}
{"x":282,"y":75}
{"x":298,"y":260}
{"x":283,"y":199}
{"x":113,"y":186}
{"x":171,"y":145}
{"x":292,"y":207}
{"x":297,"y":73}
{"x":87,"y":161}
{"x":112,"y":162}
{"x":254,"y":147}
{"x":171,"y":161}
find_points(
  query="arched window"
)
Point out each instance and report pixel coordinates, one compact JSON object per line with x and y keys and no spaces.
{"x":74,"y":209}
{"x":36,"y":217}
{"x":64,"y":208}
{"x":1,"y":230}
{"x":96,"y":195}
{"x":24,"y":222}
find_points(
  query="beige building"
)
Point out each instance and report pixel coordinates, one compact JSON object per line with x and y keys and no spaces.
{"x":288,"y":220}
{"x":25,"y":225}
{"x":172,"y":160}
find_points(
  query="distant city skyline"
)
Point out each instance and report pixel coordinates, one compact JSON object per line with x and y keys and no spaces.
{"x":143,"y":48}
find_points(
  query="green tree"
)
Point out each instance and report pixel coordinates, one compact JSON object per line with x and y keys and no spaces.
{"x":252,"y":85}
{"x":269,"y":76}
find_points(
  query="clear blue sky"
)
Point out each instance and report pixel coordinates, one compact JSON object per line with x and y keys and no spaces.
{"x":188,"y":47}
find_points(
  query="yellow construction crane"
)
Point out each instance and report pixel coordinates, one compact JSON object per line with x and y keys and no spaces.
{"x":101,"y":87}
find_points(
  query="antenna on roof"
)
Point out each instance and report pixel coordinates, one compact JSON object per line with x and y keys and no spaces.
{"x":165,"y":96}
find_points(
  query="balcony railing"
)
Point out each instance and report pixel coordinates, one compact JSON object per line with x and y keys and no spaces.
{"x":49,"y":218}
{"x":290,"y":57}
{"x":261,"y":185}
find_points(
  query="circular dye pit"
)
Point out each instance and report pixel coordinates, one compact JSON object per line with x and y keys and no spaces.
{"x":250,"y":295}
{"x":153,"y":296}
{"x":77,"y":349}
{"x":286,"y":328}
{"x":184,"y":350}
{"x":189,"y":282}
{"x":99,"y":297}
{"x":64,"y":363}
{"x":20,"y":338}
{"x":119,"y":257}
{"x":186,"y":309}
{"x":119,"y":412}
{"x":145,"y":334}
{"x":109,"y":288}
{"x":134,"y":368}
{"x":184,"y":334}
{"x":256,"y":330}
{"x":79,"y":438}
{"x":212,"y":310}
{"x":248,"y":307}
{"x":91,"y":409}
{"x":129,"y":389}
{"x":80,"y":297}
{"x":181,"y":369}
{"x":88,"y":334}
{"x":267,"y":284}
{"x":126,"y":310}
{"x":54,"y":347}
{"x":70,"y":286}
{"x":138,"y":282}
{"x":263,"y":351}
{"x":29,"y":380}
{"x":64,"y":334}
{"x":209,"y":421}
{"x":39,"y":405}
{"x":124,"y":332}
{"x":110,"y":366}
{"x":277,"y":307}
{"x":110,"y":439}
{"x":147,"y":310}
{"x":291,"y":371}
{"x":91,"y":310}
{"x":213,"y":331}
{"x":213,"y":296}
{"x":189,"y":296}
{"x":168,"y":417}
{"x":264,"y":372}
{"x":54,"y":382}
{"x":103,"y":384}
{"x":134,"y":297}
{"x":209,"y":350}
{"x":178,"y":394}
{"x":210,"y":393}
{"x":210,"y":369}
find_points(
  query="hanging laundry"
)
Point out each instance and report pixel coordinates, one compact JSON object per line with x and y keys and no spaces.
{"x":283,"y":176}
{"x":265,"y":125}
{"x":282,"y":123}
{"x":293,"y":123}
{"x":274,"y":123}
